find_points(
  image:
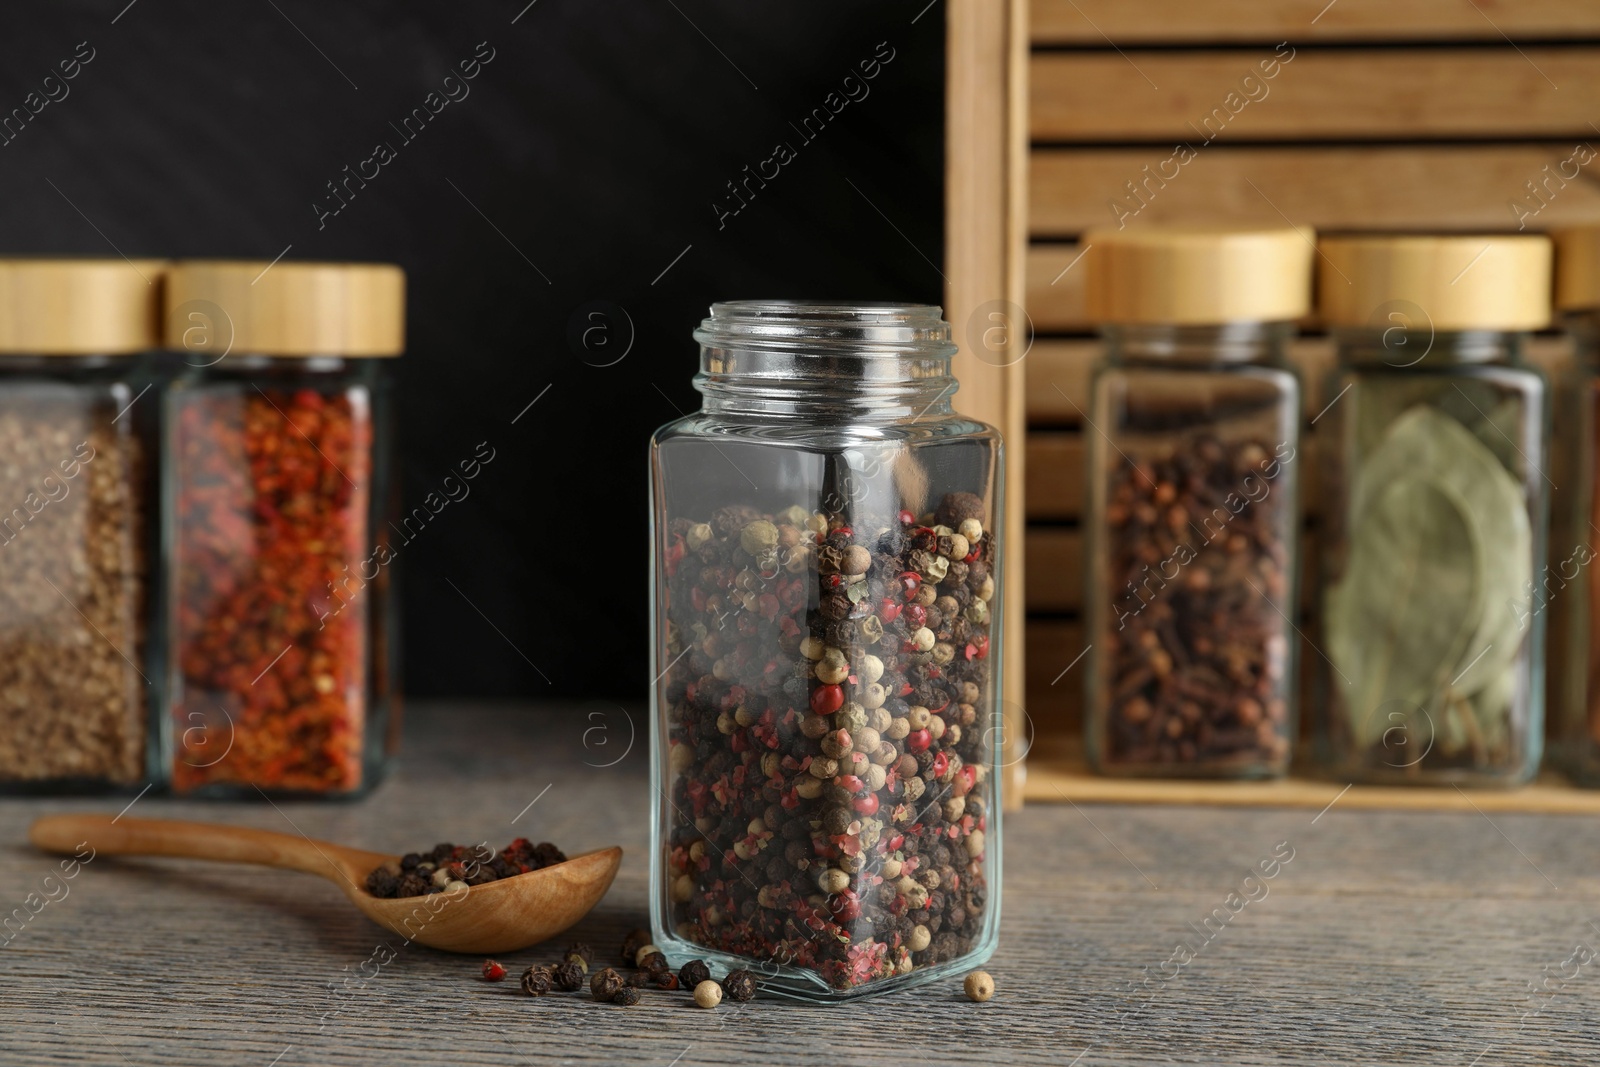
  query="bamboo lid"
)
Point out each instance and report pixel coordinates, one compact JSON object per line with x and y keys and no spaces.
{"x":1197,"y":275}
{"x":287,"y":309}
{"x":1577,"y":267}
{"x":68,"y":307}
{"x":1457,"y":282}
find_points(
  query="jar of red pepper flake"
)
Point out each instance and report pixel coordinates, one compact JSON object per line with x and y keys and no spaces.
{"x":826,"y":642}
{"x":277,"y":499}
{"x":76,"y":496}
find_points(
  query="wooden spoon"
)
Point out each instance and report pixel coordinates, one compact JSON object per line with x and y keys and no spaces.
{"x":499,"y":916}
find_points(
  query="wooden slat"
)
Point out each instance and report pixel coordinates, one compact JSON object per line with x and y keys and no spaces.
{"x":1094,"y":22}
{"x":1409,"y":188}
{"x":985,"y":245}
{"x":1360,"y":94}
{"x":1055,"y":569}
{"x":1058,"y":772}
{"x":1055,"y":475}
{"x":1054,"y":701}
{"x":1055,"y":288}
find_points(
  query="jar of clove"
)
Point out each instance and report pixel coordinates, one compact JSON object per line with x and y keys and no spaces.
{"x":1570,"y":584}
{"x":1434,"y":520}
{"x":1192,"y":516}
{"x":826,"y":648}
{"x":76,"y":495}
{"x":277,"y":499}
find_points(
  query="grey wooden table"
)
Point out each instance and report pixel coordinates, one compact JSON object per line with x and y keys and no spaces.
{"x":1386,"y":938}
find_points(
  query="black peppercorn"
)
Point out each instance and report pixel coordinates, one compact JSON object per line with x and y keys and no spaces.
{"x":636,"y":940}
{"x":580,"y":952}
{"x":653,"y":962}
{"x":693,"y":973}
{"x":626,"y":996}
{"x":409,"y":861}
{"x":536,"y":981}
{"x":664,"y":980}
{"x":382,"y":882}
{"x":637,"y":980}
{"x":605,"y":984}
{"x":739,"y":985}
{"x":412,"y":885}
{"x":568,"y":976}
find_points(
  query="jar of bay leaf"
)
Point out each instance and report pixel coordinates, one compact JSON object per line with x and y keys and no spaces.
{"x":1570,"y":584}
{"x":1434,"y":509}
{"x":1192,"y":511}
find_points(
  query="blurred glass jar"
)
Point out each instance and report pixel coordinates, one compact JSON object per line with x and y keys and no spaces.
{"x":1192,"y":516}
{"x":1570,"y":584}
{"x":826,"y":648}
{"x":1435,"y":510}
{"x":76,"y":496}
{"x":278,"y":488}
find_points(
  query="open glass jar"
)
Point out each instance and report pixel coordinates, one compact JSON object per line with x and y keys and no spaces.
{"x":1570,"y":585}
{"x":76,"y":699}
{"x":1434,"y":517}
{"x":826,"y":649}
{"x":1192,"y":521}
{"x":277,"y":499}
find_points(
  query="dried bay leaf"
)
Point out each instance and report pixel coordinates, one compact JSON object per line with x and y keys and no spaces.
{"x":1409,"y":600}
{"x":1429,"y":444}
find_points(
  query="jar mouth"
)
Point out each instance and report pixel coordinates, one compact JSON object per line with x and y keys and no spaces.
{"x":854,"y":328}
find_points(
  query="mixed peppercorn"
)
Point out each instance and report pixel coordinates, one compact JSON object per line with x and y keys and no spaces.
{"x":445,"y":866}
{"x":828,"y":720}
{"x":271,"y":508}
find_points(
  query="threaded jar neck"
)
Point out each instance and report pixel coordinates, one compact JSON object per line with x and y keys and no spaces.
{"x":1233,"y":342}
{"x":863,"y":362}
{"x":1400,"y":348}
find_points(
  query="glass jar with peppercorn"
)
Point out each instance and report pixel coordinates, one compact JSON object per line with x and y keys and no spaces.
{"x":76,"y":495}
{"x":1434,"y":520}
{"x":826,"y":648}
{"x":277,"y":498}
{"x":1570,"y":584}
{"x":1192,"y":514}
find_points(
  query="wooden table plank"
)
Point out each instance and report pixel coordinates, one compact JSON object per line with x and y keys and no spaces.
{"x":1386,"y":936}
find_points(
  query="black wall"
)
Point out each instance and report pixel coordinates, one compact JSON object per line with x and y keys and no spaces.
{"x":585,"y":157}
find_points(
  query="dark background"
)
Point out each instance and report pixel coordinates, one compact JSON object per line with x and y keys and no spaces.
{"x":594,"y":145}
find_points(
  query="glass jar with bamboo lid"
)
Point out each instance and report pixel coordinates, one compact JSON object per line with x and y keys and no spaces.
{"x":1570,"y":583}
{"x":1430,"y":650}
{"x":277,"y":500}
{"x":76,"y":495}
{"x":1192,"y":517}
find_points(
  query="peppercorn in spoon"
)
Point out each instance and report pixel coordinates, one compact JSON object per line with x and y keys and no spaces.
{"x":499,"y":916}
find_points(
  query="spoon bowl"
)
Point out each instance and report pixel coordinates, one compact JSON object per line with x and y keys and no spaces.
{"x":499,"y":916}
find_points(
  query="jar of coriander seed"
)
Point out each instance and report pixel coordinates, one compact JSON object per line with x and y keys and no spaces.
{"x":1570,"y":585}
{"x":826,"y":655}
{"x":278,"y":495}
{"x":1192,"y":521}
{"x":77,"y":697}
{"x":1433,"y":510}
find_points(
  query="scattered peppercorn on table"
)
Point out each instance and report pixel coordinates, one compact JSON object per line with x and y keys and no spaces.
{"x":1129,"y":935}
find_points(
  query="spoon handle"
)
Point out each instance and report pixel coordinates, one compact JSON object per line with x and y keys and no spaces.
{"x":197,"y":840}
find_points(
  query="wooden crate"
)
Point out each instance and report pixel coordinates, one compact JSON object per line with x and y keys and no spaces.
{"x":1380,"y":114}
